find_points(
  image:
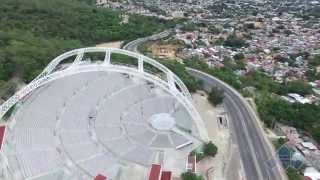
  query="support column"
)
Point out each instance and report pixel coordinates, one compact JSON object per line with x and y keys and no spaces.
{"x":107,"y":58}
{"x":140,"y":64}
{"x":78,"y":58}
{"x":170,"y":80}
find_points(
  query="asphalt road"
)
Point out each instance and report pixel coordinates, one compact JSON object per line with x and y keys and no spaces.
{"x":133,"y":45}
{"x":258,"y":157}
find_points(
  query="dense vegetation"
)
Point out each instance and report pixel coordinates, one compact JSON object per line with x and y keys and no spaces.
{"x":224,"y":74}
{"x":35,"y":31}
{"x":6,"y":89}
{"x":179,"y":69}
{"x":256,"y":78}
{"x":271,"y":108}
{"x":303,"y":116}
{"x":189,"y":26}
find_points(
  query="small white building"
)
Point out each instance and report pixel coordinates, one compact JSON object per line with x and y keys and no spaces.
{"x":299,"y":98}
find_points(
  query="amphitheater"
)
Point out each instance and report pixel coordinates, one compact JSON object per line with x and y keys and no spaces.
{"x":88,"y":115}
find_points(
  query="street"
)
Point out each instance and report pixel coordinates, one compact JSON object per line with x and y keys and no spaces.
{"x":257,"y":155}
{"x":133,"y":45}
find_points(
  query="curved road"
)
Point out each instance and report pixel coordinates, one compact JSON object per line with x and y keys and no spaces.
{"x":133,"y":45}
{"x":257,"y":154}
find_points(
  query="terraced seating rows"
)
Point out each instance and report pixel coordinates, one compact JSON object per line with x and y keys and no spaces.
{"x":94,"y":120}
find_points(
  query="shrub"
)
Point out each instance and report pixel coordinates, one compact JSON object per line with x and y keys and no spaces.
{"x":190,"y":176}
{"x":210,"y":149}
{"x":216,"y":96}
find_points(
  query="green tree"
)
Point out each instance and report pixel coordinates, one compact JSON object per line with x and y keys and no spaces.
{"x":190,"y":176}
{"x":255,"y":79}
{"x":7,"y":67}
{"x":180,"y":70}
{"x":293,"y":174}
{"x":279,"y":142}
{"x":233,"y":65}
{"x":316,"y":133}
{"x":7,"y":89}
{"x":210,"y":149}
{"x":299,"y":87}
{"x":216,"y":96}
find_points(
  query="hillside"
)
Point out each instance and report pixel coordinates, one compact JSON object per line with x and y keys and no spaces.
{"x":35,"y":31}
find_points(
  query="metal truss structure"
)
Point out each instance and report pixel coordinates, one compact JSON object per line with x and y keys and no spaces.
{"x":79,"y":64}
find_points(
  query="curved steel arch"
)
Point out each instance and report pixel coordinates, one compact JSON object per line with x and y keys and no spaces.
{"x":49,"y":75}
{"x":172,"y":84}
{"x":172,"y":78}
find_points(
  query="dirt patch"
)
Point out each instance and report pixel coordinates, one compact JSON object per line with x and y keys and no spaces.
{"x":164,"y":49}
{"x":115,"y":44}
